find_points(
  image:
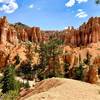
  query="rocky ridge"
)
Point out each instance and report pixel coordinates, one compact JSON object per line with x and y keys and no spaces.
{"x":63,"y":89}
{"x":87,"y":33}
{"x":15,"y":33}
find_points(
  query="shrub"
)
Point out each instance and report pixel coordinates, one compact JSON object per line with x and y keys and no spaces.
{"x":17,"y":58}
{"x":79,"y":72}
{"x":26,"y":85}
{"x":8,"y":81}
{"x":11,"y":95}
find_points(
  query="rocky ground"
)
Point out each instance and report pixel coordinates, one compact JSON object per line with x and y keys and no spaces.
{"x":63,"y":89}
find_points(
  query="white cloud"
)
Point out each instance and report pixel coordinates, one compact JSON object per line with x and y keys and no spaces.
{"x":79,"y":10}
{"x":31,"y":6}
{"x":81,"y":1}
{"x":71,"y":3}
{"x":34,"y":6}
{"x":9,"y":6}
{"x":81,"y":14}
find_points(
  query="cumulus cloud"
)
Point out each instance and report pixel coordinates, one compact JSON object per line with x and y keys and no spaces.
{"x":31,"y":6}
{"x":71,"y":3}
{"x":8,"y":6}
{"x":81,"y":13}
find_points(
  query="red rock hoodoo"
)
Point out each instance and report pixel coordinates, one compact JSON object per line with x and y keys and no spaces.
{"x":87,"y":33}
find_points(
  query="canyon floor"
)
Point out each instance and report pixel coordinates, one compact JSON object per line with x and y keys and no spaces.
{"x":64,"y":89}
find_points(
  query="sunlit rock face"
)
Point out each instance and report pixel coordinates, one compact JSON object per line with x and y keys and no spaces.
{"x":10,"y":33}
{"x":22,"y":34}
{"x":12,"y":36}
{"x":3,"y":29}
{"x":87,"y":33}
{"x":36,"y":34}
{"x":7,"y":32}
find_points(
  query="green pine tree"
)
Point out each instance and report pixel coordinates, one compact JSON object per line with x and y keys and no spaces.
{"x":26,"y":69}
{"x":49,"y":58}
{"x":17,"y":58}
{"x":26,"y":85}
{"x":79,"y":75}
{"x":8,"y":81}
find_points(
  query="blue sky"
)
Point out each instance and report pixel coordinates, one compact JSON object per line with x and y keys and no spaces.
{"x":49,"y":14}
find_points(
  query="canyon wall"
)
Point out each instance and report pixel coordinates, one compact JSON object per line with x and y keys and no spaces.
{"x":87,"y":33}
{"x":12,"y":34}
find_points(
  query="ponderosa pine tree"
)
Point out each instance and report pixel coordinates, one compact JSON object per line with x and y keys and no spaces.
{"x":17,"y":58}
{"x":8,"y":81}
{"x":26,"y":69}
{"x":49,"y":58}
{"x":79,"y":75}
{"x":29,"y":51}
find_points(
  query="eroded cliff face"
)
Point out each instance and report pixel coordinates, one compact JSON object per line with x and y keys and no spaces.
{"x":10,"y":33}
{"x":87,"y":33}
{"x":3,"y":29}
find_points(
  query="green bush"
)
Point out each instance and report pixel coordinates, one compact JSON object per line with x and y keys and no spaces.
{"x":79,"y":72}
{"x":17,"y":58}
{"x":66,"y":69}
{"x":8,"y":81}
{"x":26,"y":85}
{"x":11,"y":95}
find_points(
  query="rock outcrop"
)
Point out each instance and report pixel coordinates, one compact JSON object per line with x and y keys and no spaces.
{"x":87,"y":33}
{"x":7,"y":32}
{"x":50,"y":89}
{"x":35,"y":35}
{"x":4,"y":26}
{"x":14,"y":34}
